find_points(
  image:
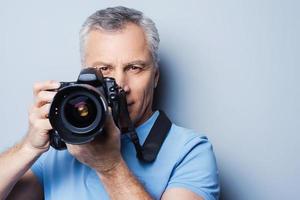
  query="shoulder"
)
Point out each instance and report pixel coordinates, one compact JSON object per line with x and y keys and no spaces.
{"x":183,"y":144}
{"x":185,"y":139}
{"x":186,"y":135}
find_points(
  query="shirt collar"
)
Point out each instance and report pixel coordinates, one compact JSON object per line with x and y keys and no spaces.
{"x":144,"y":129}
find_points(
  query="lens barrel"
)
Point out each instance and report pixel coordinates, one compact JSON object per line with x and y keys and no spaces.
{"x":78,"y":113}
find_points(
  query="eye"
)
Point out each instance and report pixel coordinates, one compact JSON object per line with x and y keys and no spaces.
{"x":104,"y":68}
{"x":135,"y":68}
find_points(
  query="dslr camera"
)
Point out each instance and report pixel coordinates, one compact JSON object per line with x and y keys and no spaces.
{"x":79,"y":109}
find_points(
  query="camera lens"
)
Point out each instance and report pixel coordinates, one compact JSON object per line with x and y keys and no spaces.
{"x":80,"y":111}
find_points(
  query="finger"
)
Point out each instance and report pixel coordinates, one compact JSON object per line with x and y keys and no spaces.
{"x":43,"y":111}
{"x":45,"y":123}
{"x":44,"y":97}
{"x":110,"y":126}
{"x":42,"y":125}
{"x":109,"y":122}
{"x":45,"y":85}
{"x":109,"y":130}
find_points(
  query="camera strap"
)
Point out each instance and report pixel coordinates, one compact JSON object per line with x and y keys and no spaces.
{"x":156,"y":137}
{"x":158,"y":133}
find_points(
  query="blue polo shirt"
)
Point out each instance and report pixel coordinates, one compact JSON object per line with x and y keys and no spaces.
{"x":186,"y":160}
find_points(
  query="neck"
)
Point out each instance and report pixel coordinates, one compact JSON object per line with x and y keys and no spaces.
{"x":145,"y":117}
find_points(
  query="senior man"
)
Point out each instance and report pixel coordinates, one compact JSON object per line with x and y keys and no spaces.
{"x":123,"y":44}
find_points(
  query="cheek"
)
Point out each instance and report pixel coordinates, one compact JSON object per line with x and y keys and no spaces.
{"x":141,"y":89}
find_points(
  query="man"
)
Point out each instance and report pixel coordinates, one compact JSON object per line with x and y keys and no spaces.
{"x":123,"y":44}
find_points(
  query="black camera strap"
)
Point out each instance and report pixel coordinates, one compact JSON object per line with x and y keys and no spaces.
{"x":156,"y":137}
{"x":158,"y":133}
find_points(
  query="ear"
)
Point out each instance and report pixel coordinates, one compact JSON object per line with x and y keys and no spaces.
{"x":156,"y":76}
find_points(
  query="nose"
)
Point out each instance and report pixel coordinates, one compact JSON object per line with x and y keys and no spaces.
{"x":122,"y":80}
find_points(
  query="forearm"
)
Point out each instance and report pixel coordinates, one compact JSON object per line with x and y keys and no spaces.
{"x":120,"y":183}
{"x":14,"y":163}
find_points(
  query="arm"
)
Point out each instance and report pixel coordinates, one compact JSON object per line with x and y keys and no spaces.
{"x":103,"y":155}
{"x":196,"y":174}
{"x":17,"y":181}
{"x":28,"y":187}
{"x":119,"y":182}
{"x":15,"y":163}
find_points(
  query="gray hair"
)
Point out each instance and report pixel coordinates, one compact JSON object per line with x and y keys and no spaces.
{"x":116,"y":18}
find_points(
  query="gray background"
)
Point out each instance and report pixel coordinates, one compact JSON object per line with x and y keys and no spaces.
{"x":229,"y":69}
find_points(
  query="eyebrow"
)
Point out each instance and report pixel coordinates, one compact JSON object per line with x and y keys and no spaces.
{"x":135,"y":62}
{"x":139,"y":62}
{"x":95,"y":64}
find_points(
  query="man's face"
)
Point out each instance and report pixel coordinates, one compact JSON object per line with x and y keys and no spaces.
{"x":124,"y":55}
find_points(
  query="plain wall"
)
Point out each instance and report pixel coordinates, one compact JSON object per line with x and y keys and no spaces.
{"x":228,"y":68}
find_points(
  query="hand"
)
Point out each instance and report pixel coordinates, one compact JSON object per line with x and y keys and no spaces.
{"x":37,"y":137}
{"x":103,"y":153}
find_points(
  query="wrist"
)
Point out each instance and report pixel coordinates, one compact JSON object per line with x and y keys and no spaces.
{"x":112,"y":170}
{"x":29,"y":150}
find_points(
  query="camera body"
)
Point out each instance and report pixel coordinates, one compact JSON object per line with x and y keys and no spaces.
{"x":79,"y":109}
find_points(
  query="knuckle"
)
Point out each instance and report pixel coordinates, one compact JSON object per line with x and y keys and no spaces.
{"x":31,"y":118}
{"x":40,"y":94}
{"x":50,"y":82}
{"x":36,"y":86}
{"x":44,"y":109}
{"x":37,"y":101}
{"x":40,"y":97}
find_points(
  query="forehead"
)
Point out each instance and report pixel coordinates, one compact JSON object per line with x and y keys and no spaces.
{"x":128,"y":43}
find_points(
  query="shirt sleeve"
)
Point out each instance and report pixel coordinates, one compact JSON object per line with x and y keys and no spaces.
{"x":196,"y":170}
